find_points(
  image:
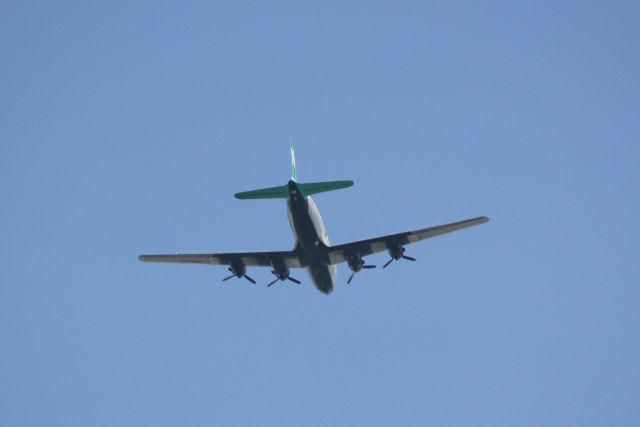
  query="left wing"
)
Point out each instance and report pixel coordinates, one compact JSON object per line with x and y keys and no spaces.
{"x":340,"y":253}
{"x":291,"y":259}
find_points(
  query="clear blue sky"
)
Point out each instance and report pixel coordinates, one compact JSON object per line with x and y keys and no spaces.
{"x":126,"y":127}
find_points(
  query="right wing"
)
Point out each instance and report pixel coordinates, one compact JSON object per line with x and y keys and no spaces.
{"x":291,"y":259}
{"x":339,"y":253}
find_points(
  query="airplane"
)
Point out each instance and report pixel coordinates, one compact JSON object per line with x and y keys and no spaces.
{"x":312,"y":249}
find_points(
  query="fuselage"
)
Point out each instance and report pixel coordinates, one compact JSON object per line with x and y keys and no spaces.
{"x":311,"y":238}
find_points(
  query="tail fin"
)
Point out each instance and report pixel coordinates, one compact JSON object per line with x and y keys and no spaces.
{"x":294,"y":173}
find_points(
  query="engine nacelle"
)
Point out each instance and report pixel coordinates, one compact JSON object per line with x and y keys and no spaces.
{"x":396,"y":250}
{"x":355,"y":262}
{"x":238,"y":268}
{"x":280,"y":269}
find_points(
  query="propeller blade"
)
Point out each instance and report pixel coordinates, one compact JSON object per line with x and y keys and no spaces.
{"x":368,"y":266}
{"x":387,"y":263}
{"x":277,"y":278}
{"x":351,"y":277}
{"x":294,"y":280}
{"x":250,"y":279}
{"x":408,"y":257}
{"x":227,"y":278}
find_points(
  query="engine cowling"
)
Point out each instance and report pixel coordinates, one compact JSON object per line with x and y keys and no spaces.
{"x":238,"y":269}
{"x":396,"y":250}
{"x":280,"y":270}
{"x":355,"y":262}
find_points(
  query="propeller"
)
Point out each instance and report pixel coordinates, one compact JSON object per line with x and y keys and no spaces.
{"x":281,"y":271}
{"x":351,"y":277}
{"x":239,"y":273}
{"x":283,"y":278}
{"x":356,"y":263}
{"x":397,"y":253}
{"x":393,"y":259}
{"x":354,"y":272}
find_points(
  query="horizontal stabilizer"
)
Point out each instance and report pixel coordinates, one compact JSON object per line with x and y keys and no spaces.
{"x":281,"y":192}
{"x":320,"y":187}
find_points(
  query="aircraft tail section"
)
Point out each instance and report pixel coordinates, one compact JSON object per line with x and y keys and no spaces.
{"x":282,"y":192}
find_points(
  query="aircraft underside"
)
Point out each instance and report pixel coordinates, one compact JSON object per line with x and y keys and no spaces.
{"x":311,"y":238}
{"x":313,"y":250}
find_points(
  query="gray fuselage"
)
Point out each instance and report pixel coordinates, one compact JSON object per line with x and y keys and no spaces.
{"x":311,"y":238}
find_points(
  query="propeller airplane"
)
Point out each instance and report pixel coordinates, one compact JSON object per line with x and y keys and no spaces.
{"x":312,"y":249}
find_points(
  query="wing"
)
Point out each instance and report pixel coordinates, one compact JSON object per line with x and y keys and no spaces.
{"x":292,"y":259}
{"x":339,"y":253}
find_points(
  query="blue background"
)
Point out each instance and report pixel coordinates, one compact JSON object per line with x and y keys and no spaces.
{"x":126,"y":127}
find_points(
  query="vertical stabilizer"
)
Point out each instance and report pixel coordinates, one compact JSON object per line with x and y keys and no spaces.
{"x":294,"y":173}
